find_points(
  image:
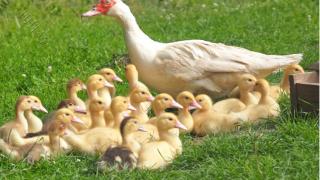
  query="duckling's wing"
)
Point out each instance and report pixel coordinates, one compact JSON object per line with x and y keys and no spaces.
{"x":195,"y":59}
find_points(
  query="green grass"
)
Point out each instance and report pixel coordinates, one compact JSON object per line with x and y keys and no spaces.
{"x":281,"y":148}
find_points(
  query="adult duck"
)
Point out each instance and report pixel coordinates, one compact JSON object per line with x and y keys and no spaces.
{"x":193,"y":65}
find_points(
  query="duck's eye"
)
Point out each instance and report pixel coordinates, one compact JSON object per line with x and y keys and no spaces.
{"x":67,"y":114}
{"x":36,"y":101}
{"x":296,"y":69}
{"x":70,"y":104}
{"x":29,"y":101}
{"x":170,"y":119}
{"x":108,"y":74}
{"x":143,"y":92}
{"x":99,"y":102}
{"x":186,"y":97}
{"x":166,"y":99}
{"x":100,"y":79}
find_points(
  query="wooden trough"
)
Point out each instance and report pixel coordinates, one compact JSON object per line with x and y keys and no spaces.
{"x":304,"y":91}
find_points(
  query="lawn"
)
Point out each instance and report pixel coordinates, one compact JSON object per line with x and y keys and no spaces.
{"x":45,"y":43}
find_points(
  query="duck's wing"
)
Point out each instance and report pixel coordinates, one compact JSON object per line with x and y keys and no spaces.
{"x":195,"y":59}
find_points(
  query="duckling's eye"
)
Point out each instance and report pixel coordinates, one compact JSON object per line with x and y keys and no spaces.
{"x":170,"y":119}
{"x":186,"y":97}
{"x":124,"y":102}
{"x":100,"y":79}
{"x":200,"y":100}
{"x":166,"y":99}
{"x":36,"y":101}
{"x":296,"y":69}
{"x":108,"y":74}
{"x":70,"y":104}
{"x":143,"y":92}
{"x":29,"y":101}
{"x":136,"y":122}
{"x":67,"y":114}
{"x":99,"y":102}
{"x":250,"y":80}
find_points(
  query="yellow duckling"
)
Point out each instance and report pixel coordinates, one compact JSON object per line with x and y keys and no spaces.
{"x":246,"y":84}
{"x":73,"y":87}
{"x":207,"y":121}
{"x":98,"y":140}
{"x":187,"y":100}
{"x":34,"y":122}
{"x":158,"y":154}
{"x":124,"y":156}
{"x":34,"y":152}
{"x":95,"y":83}
{"x":267,"y":106}
{"x":19,"y":126}
{"x":284,"y":86}
{"x":137,"y":97}
{"x":108,"y":92}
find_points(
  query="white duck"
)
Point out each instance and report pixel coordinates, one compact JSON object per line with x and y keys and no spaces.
{"x":193,"y":65}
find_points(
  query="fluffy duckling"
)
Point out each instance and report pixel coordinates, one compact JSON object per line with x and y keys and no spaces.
{"x":284,"y":86}
{"x":246,"y":84}
{"x":98,"y":140}
{"x":267,"y":106}
{"x":162,"y":102}
{"x":132,"y":76}
{"x":158,"y":154}
{"x":73,"y":87}
{"x":34,"y":152}
{"x":108,"y":93}
{"x":124,"y":156}
{"x":19,"y":126}
{"x":207,"y":121}
{"x":97,"y":108}
{"x":34,"y":122}
{"x":96,"y":82}
{"x":137,"y":97}
{"x":187,"y":100}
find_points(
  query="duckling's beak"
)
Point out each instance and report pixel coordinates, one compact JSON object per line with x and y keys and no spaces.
{"x":131,"y":108}
{"x":116,"y":78}
{"x":77,"y":120}
{"x":142,"y":129}
{"x":150,"y":98}
{"x":194,"y":105}
{"x":180,"y":125}
{"x":78,"y":109}
{"x":107,"y":84}
{"x":39,"y":108}
{"x":175,"y":104}
{"x":84,"y":87}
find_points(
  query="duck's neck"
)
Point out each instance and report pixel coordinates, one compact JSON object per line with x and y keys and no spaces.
{"x":54,"y":142}
{"x":264,"y":98}
{"x":74,"y":96}
{"x":184,"y":112}
{"x":141,"y":48}
{"x":105,"y":94}
{"x":285,"y":82}
{"x":35,"y":124}
{"x":92,"y":93}
{"x":171,"y":138}
{"x":97,"y":118}
{"x":131,"y":143}
{"x":117,"y":120}
{"x":244,"y":96}
{"x":20,"y":118}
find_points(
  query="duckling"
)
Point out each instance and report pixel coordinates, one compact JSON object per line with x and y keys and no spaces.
{"x":246,"y":84}
{"x":98,"y":140}
{"x":284,"y":86}
{"x":108,"y":93}
{"x":34,"y":122}
{"x":267,"y":106}
{"x":187,"y":100}
{"x":207,"y":121}
{"x":137,"y":97}
{"x":96,"y":82}
{"x":124,"y":156}
{"x":69,"y":104}
{"x":34,"y":152}
{"x":73,"y":87}
{"x":20,"y":124}
{"x":132,"y":76}
{"x":97,"y":107}
{"x":158,"y":154}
